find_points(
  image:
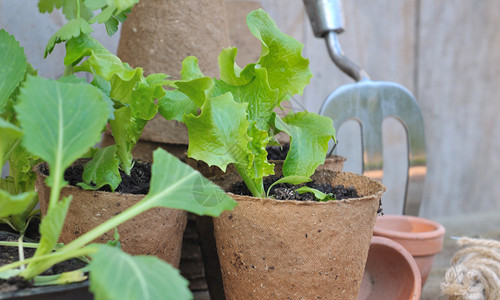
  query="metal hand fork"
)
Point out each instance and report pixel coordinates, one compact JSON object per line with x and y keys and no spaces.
{"x":369,"y":102}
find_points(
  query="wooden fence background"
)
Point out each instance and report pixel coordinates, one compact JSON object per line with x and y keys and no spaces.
{"x":447,"y":53}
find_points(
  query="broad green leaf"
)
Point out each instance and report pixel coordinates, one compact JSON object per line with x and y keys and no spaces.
{"x":10,"y":136}
{"x":309,"y":135}
{"x":115,"y":275}
{"x":47,"y":6}
{"x":281,"y":56}
{"x":190,"y":69}
{"x":319,"y":195}
{"x":72,"y":29}
{"x":261,"y":99}
{"x":176,"y":185}
{"x":13,"y":65}
{"x":14,"y":204}
{"x":102,"y":170}
{"x":218,"y":136}
{"x":291,"y":180}
{"x":61,"y":121}
{"x":175,"y":104}
{"x":230,"y":72}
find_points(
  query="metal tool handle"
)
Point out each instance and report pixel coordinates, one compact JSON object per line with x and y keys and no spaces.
{"x":327,"y":21}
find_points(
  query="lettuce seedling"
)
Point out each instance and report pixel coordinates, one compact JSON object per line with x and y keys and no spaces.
{"x":17,"y":196}
{"x":60,"y":121}
{"x":231,"y":119}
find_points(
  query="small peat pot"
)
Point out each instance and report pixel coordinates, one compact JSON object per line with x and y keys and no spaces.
{"x":274,"y":249}
{"x":391,"y":273}
{"x":73,"y":291}
{"x":157,"y":232}
{"x":423,"y":238}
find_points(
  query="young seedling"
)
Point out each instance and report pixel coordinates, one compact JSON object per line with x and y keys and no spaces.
{"x":231,"y":120}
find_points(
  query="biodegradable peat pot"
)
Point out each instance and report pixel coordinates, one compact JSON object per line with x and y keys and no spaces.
{"x":423,"y":238}
{"x":272,"y":249}
{"x":391,"y":273}
{"x":157,"y":231}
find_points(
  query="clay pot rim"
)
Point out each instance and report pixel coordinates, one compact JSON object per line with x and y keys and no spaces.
{"x":76,"y":189}
{"x":380,"y":190}
{"x":412,"y":264}
{"x":437,"y":233}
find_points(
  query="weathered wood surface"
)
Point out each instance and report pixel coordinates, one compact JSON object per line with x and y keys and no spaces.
{"x":445,"y":52}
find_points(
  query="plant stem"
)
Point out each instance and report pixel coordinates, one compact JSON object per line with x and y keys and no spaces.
{"x":257,"y":191}
{"x":21,"y":249}
{"x":106,"y":226}
{"x":48,"y":260}
{"x":68,"y":70}
{"x":77,"y":9}
{"x":16,"y":244}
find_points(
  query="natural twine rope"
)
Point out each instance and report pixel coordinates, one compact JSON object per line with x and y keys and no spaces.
{"x":475,"y":271}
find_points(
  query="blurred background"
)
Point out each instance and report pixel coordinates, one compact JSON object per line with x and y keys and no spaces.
{"x":447,"y":53}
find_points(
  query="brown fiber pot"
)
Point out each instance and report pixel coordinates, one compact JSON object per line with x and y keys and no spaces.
{"x":271,"y":249}
{"x":423,"y":238}
{"x":157,"y":231}
{"x":391,"y":273}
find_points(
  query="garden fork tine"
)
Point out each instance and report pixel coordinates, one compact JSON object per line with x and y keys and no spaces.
{"x":370,"y":102}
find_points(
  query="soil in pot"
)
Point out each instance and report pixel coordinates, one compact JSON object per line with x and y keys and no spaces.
{"x":136,"y":183}
{"x":285,"y":191}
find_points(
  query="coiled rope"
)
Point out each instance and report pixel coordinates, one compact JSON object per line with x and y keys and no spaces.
{"x":475,"y":271}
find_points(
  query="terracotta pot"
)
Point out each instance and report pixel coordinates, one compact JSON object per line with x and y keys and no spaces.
{"x":271,"y":249}
{"x":391,"y":273}
{"x":157,"y":231}
{"x":423,"y":238}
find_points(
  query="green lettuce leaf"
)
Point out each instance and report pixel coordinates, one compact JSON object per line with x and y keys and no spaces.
{"x":15,"y":204}
{"x":281,"y":56}
{"x":218,"y":136}
{"x":117,"y":275}
{"x":10,"y":136}
{"x":72,"y":29}
{"x":102,"y":170}
{"x":309,"y":135}
{"x":13,"y":65}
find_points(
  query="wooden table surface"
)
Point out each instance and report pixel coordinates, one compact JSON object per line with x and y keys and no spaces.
{"x":483,"y":225}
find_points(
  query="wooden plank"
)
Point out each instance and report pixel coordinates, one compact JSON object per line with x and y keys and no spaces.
{"x":458,"y":86}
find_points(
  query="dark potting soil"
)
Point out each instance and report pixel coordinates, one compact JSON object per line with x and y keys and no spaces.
{"x":135,"y":183}
{"x":11,"y":254}
{"x":285,"y":191}
{"x":277,"y":152}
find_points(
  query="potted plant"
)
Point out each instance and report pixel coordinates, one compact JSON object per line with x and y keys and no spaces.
{"x":270,"y":248}
{"x":59,"y":122}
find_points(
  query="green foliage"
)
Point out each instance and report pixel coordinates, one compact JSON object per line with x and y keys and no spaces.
{"x":117,"y":275}
{"x":231,"y":120}
{"x":15,"y":204}
{"x":72,"y":29}
{"x":102,"y":170}
{"x":309,"y":135}
{"x":319,"y":195}
{"x":68,"y":116}
{"x":133,"y":93}
{"x":291,"y":180}
{"x":13,"y":64}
